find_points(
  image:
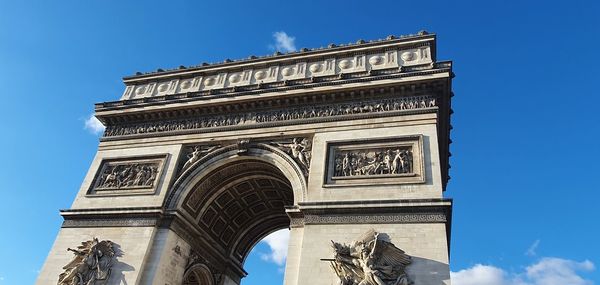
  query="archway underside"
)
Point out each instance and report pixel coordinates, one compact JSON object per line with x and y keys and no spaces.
{"x":239,"y":203}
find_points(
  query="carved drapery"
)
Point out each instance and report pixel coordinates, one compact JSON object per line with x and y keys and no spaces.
{"x":194,"y":153}
{"x":91,"y":264}
{"x":299,"y":149}
{"x":371,"y":260}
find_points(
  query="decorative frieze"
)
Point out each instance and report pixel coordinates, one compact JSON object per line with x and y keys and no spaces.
{"x":387,"y":218}
{"x":282,"y":116}
{"x":383,"y":161}
{"x":282,"y":71}
{"x":127,"y":175}
{"x":112,"y":222}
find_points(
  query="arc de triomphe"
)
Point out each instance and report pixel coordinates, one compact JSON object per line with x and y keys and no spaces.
{"x":347,"y":146}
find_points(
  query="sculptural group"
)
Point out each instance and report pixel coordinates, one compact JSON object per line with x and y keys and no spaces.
{"x":373,"y":162}
{"x":91,"y":264}
{"x":370,"y":261}
{"x":127,"y":175}
{"x":308,"y":112}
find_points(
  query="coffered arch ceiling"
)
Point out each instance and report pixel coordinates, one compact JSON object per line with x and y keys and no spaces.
{"x":239,"y":203}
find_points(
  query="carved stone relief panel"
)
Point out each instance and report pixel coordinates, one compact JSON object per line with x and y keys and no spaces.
{"x":239,"y":78}
{"x":166,"y":88}
{"x":128,"y":93}
{"x":145,"y":90}
{"x":322,"y":68}
{"x":384,"y":60}
{"x":126,"y":176}
{"x":352,"y":64}
{"x":189,"y":85}
{"x":396,"y":160}
{"x":275,"y":116}
{"x":296,"y":71}
{"x":214,"y":82}
{"x":265,"y":75}
{"x":415,"y":56}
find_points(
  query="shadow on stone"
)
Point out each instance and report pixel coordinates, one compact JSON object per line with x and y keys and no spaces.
{"x":427,"y":271}
{"x":117,"y":275}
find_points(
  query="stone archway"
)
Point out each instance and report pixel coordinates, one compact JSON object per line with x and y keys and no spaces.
{"x":232,"y":199}
{"x":203,"y":162}
{"x":198,"y":274}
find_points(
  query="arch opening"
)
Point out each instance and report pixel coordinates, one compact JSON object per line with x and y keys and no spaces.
{"x":198,"y":275}
{"x":235,"y":205}
{"x":267,"y":259}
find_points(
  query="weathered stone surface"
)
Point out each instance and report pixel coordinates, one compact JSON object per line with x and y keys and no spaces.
{"x":198,"y":164}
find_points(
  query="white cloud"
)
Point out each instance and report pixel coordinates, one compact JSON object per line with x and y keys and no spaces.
{"x":558,"y":271}
{"x":531,"y":250}
{"x":479,"y":275}
{"x":283,"y":42}
{"x":93,"y":125}
{"x":547,"y":271}
{"x":278,"y":242}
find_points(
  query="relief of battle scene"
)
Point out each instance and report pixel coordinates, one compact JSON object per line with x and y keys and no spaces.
{"x":119,"y":175}
{"x":369,"y":162}
{"x":128,"y":176}
{"x":275,"y":116}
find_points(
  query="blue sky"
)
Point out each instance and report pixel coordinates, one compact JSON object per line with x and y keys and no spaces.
{"x":525,"y":175}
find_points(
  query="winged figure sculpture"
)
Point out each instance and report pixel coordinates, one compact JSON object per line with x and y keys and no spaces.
{"x":370,"y":261}
{"x":91,"y":264}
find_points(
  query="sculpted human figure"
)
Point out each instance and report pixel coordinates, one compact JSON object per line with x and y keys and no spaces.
{"x":346,"y":168}
{"x":91,"y":264}
{"x":196,"y":155}
{"x":111,"y":179}
{"x":152,"y":176}
{"x":370,"y":261}
{"x":397,"y":164}
{"x":387,"y":161}
{"x":299,"y":148}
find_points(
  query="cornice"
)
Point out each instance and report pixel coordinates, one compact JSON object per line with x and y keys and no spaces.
{"x":358,"y":46}
{"x":264,"y":90}
{"x":112,"y":217}
{"x":304,"y":68}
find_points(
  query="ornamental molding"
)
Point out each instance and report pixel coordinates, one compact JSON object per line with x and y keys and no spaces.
{"x":287,"y":86}
{"x":384,"y":56}
{"x":268,"y":118}
{"x":114,"y":222}
{"x":380,"y":218}
{"x":112,"y":217}
{"x":370,"y":212}
{"x":402,"y":218}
